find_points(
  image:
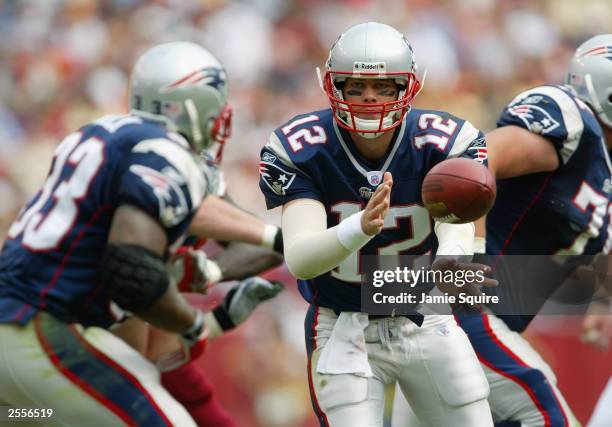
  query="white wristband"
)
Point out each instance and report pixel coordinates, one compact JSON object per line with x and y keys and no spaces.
{"x":480,"y":245}
{"x":213,"y":272}
{"x":269,"y":234}
{"x":455,"y":239}
{"x":214,"y":329}
{"x":350,"y":234}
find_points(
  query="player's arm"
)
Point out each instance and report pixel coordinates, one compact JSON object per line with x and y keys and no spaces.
{"x":241,"y":260}
{"x":218,"y":219}
{"x":515,"y":151}
{"x":135,"y":272}
{"x":537,"y":132}
{"x":193,"y":271}
{"x":312,"y":249}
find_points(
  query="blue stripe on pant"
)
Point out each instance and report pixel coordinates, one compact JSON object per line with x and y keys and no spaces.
{"x":96,"y":374}
{"x":495,"y":355}
{"x":310,"y":322}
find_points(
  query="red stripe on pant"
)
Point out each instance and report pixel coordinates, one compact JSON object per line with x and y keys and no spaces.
{"x":517,"y":380}
{"x":95,"y":394}
{"x":321,"y":415}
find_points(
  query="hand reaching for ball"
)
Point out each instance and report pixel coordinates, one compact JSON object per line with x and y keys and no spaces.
{"x":373,"y":217}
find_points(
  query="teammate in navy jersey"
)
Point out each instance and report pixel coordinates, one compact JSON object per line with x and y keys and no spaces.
{"x":90,"y":247}
{"x":349,"y":181}
{"x":250,"y":247}
{"x":550,"y":155}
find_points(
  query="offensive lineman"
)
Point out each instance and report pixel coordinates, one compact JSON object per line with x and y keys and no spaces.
{"x":550,"y":155}
{"x":554,"y":141}
{"x":333,"y":172}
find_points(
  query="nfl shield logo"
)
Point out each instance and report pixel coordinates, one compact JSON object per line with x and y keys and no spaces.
{"x":374,"y":177}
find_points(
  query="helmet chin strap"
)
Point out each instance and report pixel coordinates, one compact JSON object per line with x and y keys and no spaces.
{"x":588,"y":81}
{"x":194,"y":122}
{"x":371,"y":125}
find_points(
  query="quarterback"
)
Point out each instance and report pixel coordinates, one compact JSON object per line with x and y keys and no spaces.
{"x":348,"y":179}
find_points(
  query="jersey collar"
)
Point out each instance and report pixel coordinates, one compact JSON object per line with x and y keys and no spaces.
{"x":361,"y":167}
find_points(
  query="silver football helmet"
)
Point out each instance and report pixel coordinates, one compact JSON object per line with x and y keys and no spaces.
{"x":370,"y":50}
{"x":590,"y":74}
{"x":184,"y":86}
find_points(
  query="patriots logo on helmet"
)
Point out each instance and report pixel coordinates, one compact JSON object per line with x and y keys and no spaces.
{"x":537,"y":119}
{"x":212,"y":76}
{"x":605,"y":51}
{"x":276,"y":177}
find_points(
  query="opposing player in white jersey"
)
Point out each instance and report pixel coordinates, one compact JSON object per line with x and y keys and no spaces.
{"x":349,"y":180}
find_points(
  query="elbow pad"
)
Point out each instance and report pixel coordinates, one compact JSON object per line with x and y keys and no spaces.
{"x":134,"y":276}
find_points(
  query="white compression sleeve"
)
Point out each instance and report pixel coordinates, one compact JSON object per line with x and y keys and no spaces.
{"x":311,"y":248}
{"x":455,"y":239}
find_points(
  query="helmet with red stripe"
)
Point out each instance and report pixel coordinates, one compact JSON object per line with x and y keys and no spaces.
{"x":590,"y":74}
{"x":184,"y":86}
{"x":371,"y":50}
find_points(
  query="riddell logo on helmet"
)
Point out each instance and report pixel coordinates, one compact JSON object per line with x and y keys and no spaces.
{"x":369,"y":66}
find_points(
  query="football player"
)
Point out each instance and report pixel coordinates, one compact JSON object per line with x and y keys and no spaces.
{"x":251,"y":246}
{"x":92,"y":245}
{"x":550,"y":156}
{"x":257,"y":250}
{"x":348,"y":179}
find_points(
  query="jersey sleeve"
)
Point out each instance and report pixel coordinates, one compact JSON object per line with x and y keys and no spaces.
{"x":469,"y":143}
{"x":441,"y":136}
{"x":548,"y":111}
{"x":164,"y":179}
{"x":280,"y":179}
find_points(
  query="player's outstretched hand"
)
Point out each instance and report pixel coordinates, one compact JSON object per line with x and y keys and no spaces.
{"x":597,"y":327}
{"x":472,"y":281}
{"x":242,"y":300}
{"x":373,"y":217}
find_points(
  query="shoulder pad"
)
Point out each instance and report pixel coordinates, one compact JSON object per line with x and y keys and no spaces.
{"x":304,"y":132}
{"x":181,"y":159}
{"x":549,"y":111}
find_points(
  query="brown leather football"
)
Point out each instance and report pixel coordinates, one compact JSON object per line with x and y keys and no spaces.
{"x":458,"y":191}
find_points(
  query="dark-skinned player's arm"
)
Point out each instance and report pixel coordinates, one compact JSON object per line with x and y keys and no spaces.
{"x":137,"y":244}
{"x":240,"y":260}
{"x":258,"y":248}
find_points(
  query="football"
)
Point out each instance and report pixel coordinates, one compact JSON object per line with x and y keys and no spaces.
{"x":458,"y":191}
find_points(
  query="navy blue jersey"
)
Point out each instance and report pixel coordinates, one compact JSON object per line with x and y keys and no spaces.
{"x":311,"y":157}
{"x":50,"y":260}
{"x":564,"y":212}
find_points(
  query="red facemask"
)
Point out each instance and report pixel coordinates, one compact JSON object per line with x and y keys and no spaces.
{"x":344,"y":111}
{"x":222,"y":130}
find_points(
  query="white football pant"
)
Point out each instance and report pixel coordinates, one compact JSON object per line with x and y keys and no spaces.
{"x":435,"y":366}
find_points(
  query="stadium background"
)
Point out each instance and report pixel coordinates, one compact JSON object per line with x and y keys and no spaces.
{"x":63,"y":63}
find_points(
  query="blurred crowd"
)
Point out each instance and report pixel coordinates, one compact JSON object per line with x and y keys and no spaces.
{"x":66,"y":62}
